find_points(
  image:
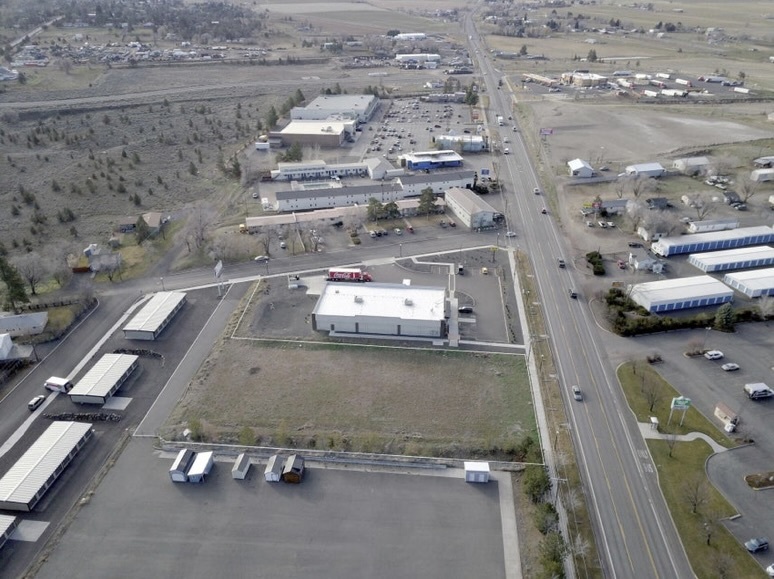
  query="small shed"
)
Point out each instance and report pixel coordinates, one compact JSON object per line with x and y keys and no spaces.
{"x":241,"y":467}
{"x":476,"y":472}
{"x":652,"y":170}
{"x":273,"y":470}
{"x":761,"y":175}
{"x":293,"y":471}
{"x":202,"y":465}
{"x":580,"y":168}
{"x":179,"y":470}
{"x":691,"y":165}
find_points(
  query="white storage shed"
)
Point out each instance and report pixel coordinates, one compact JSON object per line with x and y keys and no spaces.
{"x":580,"y":168}
{"x":201,"y":466}
{"x":699,"y":242}
{"x":7,"y":525}
{"x":740,"y":258}
{"x":25,"y":483}
{"x":241,"y":467}
{"x":104,"y":378}
{"x":645,"y":170}
{"x":476,"y":472}
{"x":273,"y":470}
{"x":678,"y":294}
{"x":178,"y":472}
{"x":151,"y":320}
{"x":754,"y":283}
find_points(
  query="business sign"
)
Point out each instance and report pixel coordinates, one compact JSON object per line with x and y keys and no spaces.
{"x":546,"y":131}
{"x":218,"y":268}
{"x":681,"y":403}
{"x":484,"y":172}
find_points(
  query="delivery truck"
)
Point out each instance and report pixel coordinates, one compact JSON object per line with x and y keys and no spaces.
{"x":57,"y":384}
{"x":348,"y":274}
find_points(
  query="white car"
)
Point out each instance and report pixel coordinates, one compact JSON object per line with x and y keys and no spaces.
{"x":510,"y":234}
{"x":713,"y":355}
{"x":730,"y":367}
{"x":507,"y":151}
{"x":770,"y":570}
{"x":261,"y":258}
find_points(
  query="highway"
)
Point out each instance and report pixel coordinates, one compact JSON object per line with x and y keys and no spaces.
{"x":634,"y":531}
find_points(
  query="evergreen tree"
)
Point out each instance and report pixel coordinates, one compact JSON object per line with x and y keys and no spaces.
{"x":426,"y":202}
{"x":15,"y":292}
{"x":724,"y":318}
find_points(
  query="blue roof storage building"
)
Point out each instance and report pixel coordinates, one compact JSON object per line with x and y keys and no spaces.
{"x":679,"y":294}
{"x":714,"y":240}
{"x":754,"y":283}
{"x":728,"y":259}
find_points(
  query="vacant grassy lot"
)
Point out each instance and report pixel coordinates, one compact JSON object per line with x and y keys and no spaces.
{"x":370,"y":399}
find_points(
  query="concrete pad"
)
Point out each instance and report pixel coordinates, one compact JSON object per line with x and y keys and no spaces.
{"x":29,"y":531}
{"x":116,"y":403}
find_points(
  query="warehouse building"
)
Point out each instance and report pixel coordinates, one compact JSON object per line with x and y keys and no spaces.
{"x":679,"y":294}
{"x":151,"y":320}
{"x":580,"y":168}
{"x":430,"y":160}
{"x":104,"y":379}
{"x":741,"y":258}
{"x":753,"y":284}
{"x":691,"y":165}
{"x":307,"y":199}
{"x":699,"y":242}
{"x":470,"y":209}
{"x":325,"y":133}
{"x":32,"y":475}
{"x":7,"y":525}
{"x":381,"y":309}
{"x":358,"y":107}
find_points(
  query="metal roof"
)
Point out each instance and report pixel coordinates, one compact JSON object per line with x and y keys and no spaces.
{"x":7,"y":523}
{"x":728,"y":234}
{"x":156,"y":312}
{"x":382,"y":300}
{"x":756,"y":279}
{"x":678,"y":290}
{"x":713,"y":259}
{"x":36,"y":466}
{"x":468,"y":200}
{"x":102,"y":377}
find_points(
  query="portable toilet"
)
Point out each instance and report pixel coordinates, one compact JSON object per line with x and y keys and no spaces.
{"x":273,"y":472}
{"x":293,"y":471}
{"x":241,"y":467}
{"x":200,"y":467}
{"x":179,"y":470}
{"x":476,"y":472}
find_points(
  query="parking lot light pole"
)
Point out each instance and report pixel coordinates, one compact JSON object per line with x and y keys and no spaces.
{"x":400,"y":245}
{"x":162,"y":284}
{"x":706,"y":334}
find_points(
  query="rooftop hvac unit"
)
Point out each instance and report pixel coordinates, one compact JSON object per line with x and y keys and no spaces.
{"x":358,"y":299}
{"x":408,"y":302}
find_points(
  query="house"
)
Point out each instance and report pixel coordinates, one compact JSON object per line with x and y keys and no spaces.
{"x":273,"y":470}
{"x":580,"y":168}
{"x":471,"y":210}
{"x":658,"y":203}
{"x":293,"y":471}
{"x":155,"y":221}
{"x":642,"y":261}
{"x":614,"y":206}
{"x":645,"y":170}
{"x":763,"y":162}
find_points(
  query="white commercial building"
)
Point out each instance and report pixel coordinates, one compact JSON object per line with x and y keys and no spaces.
{"x":307,"y":199}
{"x":471,"y":210}
{"x":691,"y":165}
{"x":359,"y":107}
{"x":438,"y":182}
{"x":580,"y":168}
{"x":410,"y":36}
{"x":381,"y":309}
{"x":715,"y":240}
{"x":429,"y":160}
{"x":325,"y":133}
{"x":465,"y":143}
{"x":25,"y":483}
{"x":678,"y":294}
{"x":103,"y":379}
{"x":151,"y":320}
{"x":645,"y":170}
{"x":740,"y":258}
{"x":754,"y":283}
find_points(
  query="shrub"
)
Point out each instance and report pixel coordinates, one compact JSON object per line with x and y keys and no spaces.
{"x":536,"y":482}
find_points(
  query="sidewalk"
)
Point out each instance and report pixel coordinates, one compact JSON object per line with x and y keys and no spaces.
{"x":648,"y":431}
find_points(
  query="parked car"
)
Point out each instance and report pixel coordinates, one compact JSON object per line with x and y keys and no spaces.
{"x":577,"y":394}
{"x":573,"y":294}
{"x":465,"y":309}
{"x":713,"y":355}
{"x":635,"y":244}
{"x":544,"y":211}
{"x":562,"y":265}
{"x":35,"y":403}
{"x":485,"y":271}
{"x":757,"y":545}
{"x":398,"y":231}
{"x":536,"y":190}
{"x":510,"y":234}
{"x":730,"y":367}
{"x":261,"y":258}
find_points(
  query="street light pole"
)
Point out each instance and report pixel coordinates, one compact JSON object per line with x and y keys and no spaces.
{"x":162,"y":284}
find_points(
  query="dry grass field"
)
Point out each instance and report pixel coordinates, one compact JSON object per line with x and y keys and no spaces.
{"x":367,"y":399}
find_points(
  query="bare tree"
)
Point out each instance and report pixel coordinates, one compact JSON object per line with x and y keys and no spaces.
{"x":746,"y":188}
{"x":695,"y":492}
{"x":725,"y":567}
{"x":199,"y":223}
{"x":722,"y":165}
{"x":702,"y":204}
{"x":641,"y":184}
{"x":33,"y":268}
{"x":766,"y":306}
{"x":636,"y":211}
{"x":620,"y":188}
{"x":671,"y":440}
{"x":651,"y":392}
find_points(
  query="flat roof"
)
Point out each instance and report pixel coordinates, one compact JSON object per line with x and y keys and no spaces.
{"x":7,"y":523}
{"x":339,"y":191}
{"x":753,"y":279}
{"x":342,"y":102}
{"x":469,"y":201}
{"x":382,"y":300}
{"x":35,"y":467}
{"x":155,"y":312}
{"x":732,"y":255}
{"x":680,"y":289}
{"x":437,"y":177}
{"x":302,"y":127}
{"x":739,"y":233}
{"x":103,"y":375}
{"x":435,"y":156}
{"x":645,"y":167}
{"x":316,"y":164}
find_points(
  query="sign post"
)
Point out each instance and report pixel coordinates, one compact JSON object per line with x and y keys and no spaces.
{"x":680,"y":403}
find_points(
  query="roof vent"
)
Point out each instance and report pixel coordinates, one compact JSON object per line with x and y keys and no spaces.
{"x":408,"y":302}
{"x":358,"y":299}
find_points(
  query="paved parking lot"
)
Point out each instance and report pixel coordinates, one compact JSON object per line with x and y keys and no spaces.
{"x":337,"y":524}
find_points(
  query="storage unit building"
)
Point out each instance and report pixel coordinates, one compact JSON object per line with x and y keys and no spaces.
{"x":476,"y":472}
{"x":580,"y":168}
{"x":754,"y":283}
{"x":470,"y":209}
{"x":241,"y":467}
{"x":740,"y":258}
{"x":151,"y":320}
{"x":273,"y":470}
{"x":200,"y":467}
{"x":699,"y":242}
{"x":7,"y":525}
{"x":645,"y":170}
{"x":32,"y":475}
{"x":712,"y":225}
{"x":381,"y":309}
{"x":178,"y":472}
{"x":104,"y":379}
{"x":678,"y":294}
{"x":293,"y":471}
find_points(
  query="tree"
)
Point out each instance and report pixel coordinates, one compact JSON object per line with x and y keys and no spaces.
{"x":375,"y":209}
{"x":765,"y":306}
{"x":695,"y":492}
{"x":471,"y":96}
{"x":391,"y":210}
{"x":141,"y":230}
{"x":671,"y":441}
{"x":536,"y":482}
{"x":272,"y":117}
{"x":299,"y":97}
{"x":523,"y":51}
{"x":552,"y":551}
{"x":426,"y":201}
{"x":724,"y":318}
{"x":198,"y":225}
{"x":641,"y":184}
{"x":592,"y":56}
{"x":651,"y":392}
{"x":33,"y":268}
{"x":746,"y":187}
{"x":14,"y":284}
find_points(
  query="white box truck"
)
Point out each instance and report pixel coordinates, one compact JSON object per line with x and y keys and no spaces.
{"x":500,"y":121}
